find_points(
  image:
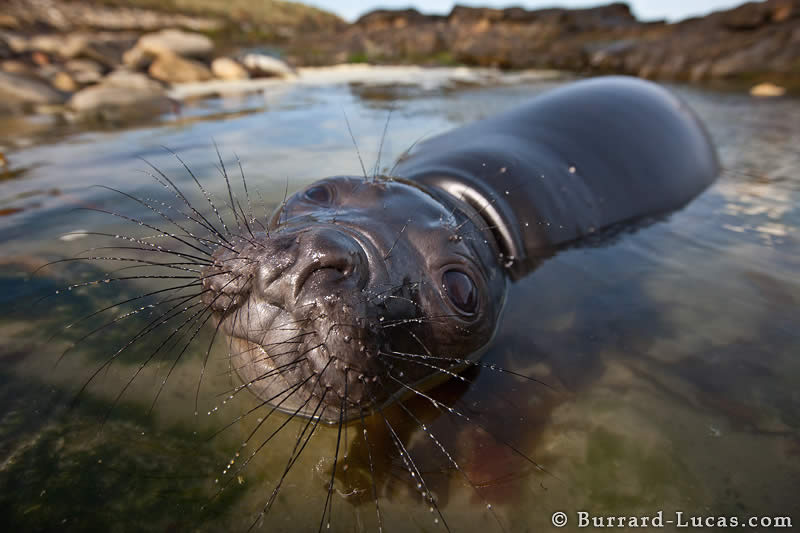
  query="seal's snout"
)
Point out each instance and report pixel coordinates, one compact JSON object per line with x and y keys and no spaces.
{"x":329,"y":260}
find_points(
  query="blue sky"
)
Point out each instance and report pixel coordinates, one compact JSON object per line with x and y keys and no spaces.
{"x":643,"y":9}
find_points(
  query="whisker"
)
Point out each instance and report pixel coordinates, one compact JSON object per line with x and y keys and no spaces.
{"x":453,"y":411}
{"x":166,"y":217}
{"x":205,"y":193}
{"x":399,"y":234}
{"x":412,"y":468}
{"x":328,"y":502}
{"x":355,"y":144}
{"x":371,"y":469}
{"x":489,"y":366}
{"x":452,"y":461}
{"x":182,"y":299}
{"x":293,"y":457}
{"x":380,"y":146}
{"x":206,"y":223}
{"x":228,"y":185}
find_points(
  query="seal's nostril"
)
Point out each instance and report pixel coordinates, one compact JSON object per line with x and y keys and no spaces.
{"x":332,"y":256}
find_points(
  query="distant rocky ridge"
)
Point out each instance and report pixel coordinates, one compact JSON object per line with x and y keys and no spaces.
{"x":757,"y":41}
{"x":89,"y":55}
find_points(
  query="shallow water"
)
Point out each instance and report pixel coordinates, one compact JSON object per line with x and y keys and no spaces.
{"x":671,"y":353}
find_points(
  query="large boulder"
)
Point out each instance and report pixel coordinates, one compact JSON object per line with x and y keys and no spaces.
{"x":5,"y":50}
{"x":168,"y":42}
{"x":65,"y":45}
{"x":226,"y":68}
{"x":122,"y":89}
{"x":171,"y":68}
{"x":103,"y":47}
{"x":747,"y":60}
{"x":14,"y":66}
{"x":126,"y":79}
{"x":262,"y":65}
{"x":101,"y":97}
{"x":767,"y":90}
{"x":84,"y":71}
{"x":63,"y":81}
{"x":29,"y":90}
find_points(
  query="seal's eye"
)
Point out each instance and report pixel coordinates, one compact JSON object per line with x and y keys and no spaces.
{"x":319,"y":194}
{"x":461,"y":290}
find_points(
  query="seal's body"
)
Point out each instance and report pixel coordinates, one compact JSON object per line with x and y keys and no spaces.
{"x":365,"y":289}
{"x":571,"y":163}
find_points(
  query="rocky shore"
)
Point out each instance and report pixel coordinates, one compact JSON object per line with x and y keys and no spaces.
{"x":91,"y":58}
{"x":94,"y":55}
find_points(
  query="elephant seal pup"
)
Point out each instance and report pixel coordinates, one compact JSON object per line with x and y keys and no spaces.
{"x":355,"y":284}
{"x":364,"y":289}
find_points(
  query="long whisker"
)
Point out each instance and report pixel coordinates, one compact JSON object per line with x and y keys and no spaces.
{"x":183,"y":197}
{"x":328,"y":502}
{"x":371,"y":469}
{"x":412,"y":468}
{"x":205,"y":193}
{"x":452,"y":461}
{"x":380,"y":147}
{"x":355,"y":144}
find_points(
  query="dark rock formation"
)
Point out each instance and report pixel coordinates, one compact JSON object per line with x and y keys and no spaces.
{"x":755,"y":41}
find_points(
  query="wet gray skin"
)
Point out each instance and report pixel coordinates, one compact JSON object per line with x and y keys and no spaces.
{"x":361,"y":290}
{"x":332,"y":315}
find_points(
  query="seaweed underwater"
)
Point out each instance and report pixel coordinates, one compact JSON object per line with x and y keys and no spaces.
{"x":409,"y":449}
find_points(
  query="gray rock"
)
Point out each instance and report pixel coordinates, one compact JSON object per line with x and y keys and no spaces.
{"x":126,"y":79}
{"x":700,"y":71}
{"x":262,"y":65}
{"x":84,"y":71}
{"x":100,"y":97}
{"x":5,"y":50}
{"x":17,"y":67}
{"x":63,"y":81}
{"x":9,"y":21}
{"x":68,"y":16}
{"x":746,"y":61}
{"x":67,"y":46}
{"x":16,"y":42}
{"x":29,"y":90}
{"x":136,"y":58}
{"x":175,"y":42}
{"x":171,"y":68}
{"x":226,"y":68}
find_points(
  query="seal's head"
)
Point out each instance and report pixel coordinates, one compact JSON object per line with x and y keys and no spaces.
{"x":359,"y":291}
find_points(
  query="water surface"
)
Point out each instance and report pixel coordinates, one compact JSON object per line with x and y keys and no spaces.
{"x":672,"y":352}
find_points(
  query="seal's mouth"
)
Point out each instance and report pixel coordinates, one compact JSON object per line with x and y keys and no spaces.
{"x":304,"y":311}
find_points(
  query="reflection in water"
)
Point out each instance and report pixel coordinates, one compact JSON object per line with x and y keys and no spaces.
{"x":671,"y":353}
